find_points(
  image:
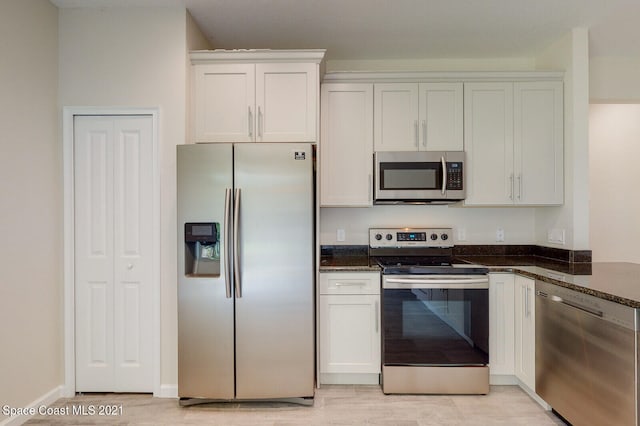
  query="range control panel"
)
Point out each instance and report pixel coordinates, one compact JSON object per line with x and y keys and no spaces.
{"x":410,"y":237}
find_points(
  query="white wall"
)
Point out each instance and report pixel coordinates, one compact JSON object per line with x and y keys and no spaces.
{"x":135,"y":57}
{"x":614,"y":144}
{"x":434,"y":64}
{"x":31,"y":325}
{"x":479,"y":224}
{"x":571,"y":54}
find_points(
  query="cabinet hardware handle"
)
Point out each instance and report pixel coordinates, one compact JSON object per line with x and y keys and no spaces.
{"x":250,"y":123}
{"x":377,"y":318}
{"x":519,"y":186}
{"x":424,"y":133}
{"x":511,"y":186}
{"x":358,"y":283}
{"x":260,"y":123}
{"x":415,"y":131}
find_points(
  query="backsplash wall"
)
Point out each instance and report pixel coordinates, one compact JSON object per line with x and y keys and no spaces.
{"x":479,"y":225}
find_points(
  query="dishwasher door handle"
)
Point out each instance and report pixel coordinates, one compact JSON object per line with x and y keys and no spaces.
{"x":575,"y":305}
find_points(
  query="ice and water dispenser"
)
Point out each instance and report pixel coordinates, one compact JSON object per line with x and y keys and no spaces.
{"x":202,"y":249}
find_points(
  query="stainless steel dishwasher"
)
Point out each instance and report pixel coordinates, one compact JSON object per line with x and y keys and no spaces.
{"x":586,"y":357}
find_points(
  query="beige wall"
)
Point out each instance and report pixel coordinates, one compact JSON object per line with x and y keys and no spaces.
{"x":614,"y":133}
{"x":614,"y":80}
{"x":31,"y":204}
{"x":614,"y":144}
{"x":136,"y":57}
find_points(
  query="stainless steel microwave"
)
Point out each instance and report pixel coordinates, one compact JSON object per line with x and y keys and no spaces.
{"x":418,"y":177}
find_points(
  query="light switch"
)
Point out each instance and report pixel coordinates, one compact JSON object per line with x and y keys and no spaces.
{"x":340,"y":235}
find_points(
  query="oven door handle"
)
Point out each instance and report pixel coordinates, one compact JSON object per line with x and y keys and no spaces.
{"x":460,"y":283}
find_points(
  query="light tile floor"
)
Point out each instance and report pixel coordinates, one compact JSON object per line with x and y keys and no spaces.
{"x":333,"y":405}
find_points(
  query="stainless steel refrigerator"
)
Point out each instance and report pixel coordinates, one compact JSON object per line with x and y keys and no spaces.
{"x":245,"y":271}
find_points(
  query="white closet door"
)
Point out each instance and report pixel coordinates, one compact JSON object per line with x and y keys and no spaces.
{"x":113,"y":263}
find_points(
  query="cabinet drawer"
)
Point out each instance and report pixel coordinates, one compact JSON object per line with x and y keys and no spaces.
{"x":350,"y":283}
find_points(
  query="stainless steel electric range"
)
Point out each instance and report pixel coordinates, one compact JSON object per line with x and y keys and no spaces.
{"x":435,"y":314}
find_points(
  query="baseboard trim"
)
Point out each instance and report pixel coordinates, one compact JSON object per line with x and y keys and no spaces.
{"x":167,"y":391}
{"x":45,"y":400}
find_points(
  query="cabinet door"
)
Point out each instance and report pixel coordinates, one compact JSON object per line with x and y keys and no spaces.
{"x":441,"y":112}
{"x":488,"y":141}
{"x":286,"y":102}
{"x":538,"y":143}
{"x":346,"y":148}
{"x":501,"y":324}
{"x":224,"y":98}
{"x":350,"y":334}
{"x":396,"y":117}
{"x":525,"y":333}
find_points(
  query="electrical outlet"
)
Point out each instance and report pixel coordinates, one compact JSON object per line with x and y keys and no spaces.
{"x":499,"y":234}
{"x":340,"y":235}
{"x":462,"y":234}
{"x":556,"y":236}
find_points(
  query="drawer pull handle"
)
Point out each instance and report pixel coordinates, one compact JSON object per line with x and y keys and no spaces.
{"x":358,"y":283}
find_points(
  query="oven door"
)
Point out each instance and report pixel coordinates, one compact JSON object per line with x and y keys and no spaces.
{"x":432,"y":320}
{"x":418,"y":176}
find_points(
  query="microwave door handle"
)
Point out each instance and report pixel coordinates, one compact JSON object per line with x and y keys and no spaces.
{"x":444,"y":175}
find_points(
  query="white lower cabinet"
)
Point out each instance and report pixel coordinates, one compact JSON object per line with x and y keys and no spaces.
{"x":501,"y":328}
{"x":349,"y":328}
{"x":525,"y":331}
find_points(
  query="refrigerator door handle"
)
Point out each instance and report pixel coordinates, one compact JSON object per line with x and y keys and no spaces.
{"x":227,"y":241}
{"x":236,"y":244}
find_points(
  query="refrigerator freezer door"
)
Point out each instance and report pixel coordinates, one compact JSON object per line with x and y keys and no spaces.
{"x":205,"y":313}
{"x":275,"y":313}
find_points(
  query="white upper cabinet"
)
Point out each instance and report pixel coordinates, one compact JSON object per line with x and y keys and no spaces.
{"x":514,"y":143}
{"x":441,"y":117}
{"x":489,"y":143}
{"x":418,"y":116}
{"x":538,"y":143}
{"x":286,"y":102}
{"x":346,"y":146}
{"x":396,"y":117}
{"x":224,"y":102}
{"x":261,"y":96}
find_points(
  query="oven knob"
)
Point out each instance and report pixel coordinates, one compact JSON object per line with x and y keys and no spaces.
{"x":434,"y":237}
{"x":389,"y":237}
{"x":444,"y":237}
{"x":378,"y":237}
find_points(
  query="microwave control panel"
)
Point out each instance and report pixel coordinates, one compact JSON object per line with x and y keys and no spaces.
{"x":454,"y":176}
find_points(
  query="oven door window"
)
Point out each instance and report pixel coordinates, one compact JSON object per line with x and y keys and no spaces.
{"x":437,"y":327}
{"x":411,"y":176}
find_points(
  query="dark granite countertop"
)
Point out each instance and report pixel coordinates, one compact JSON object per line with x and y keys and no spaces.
{"x":615,"y":281}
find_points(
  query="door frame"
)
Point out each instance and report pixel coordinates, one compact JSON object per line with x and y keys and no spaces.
{"x":68,"y":115}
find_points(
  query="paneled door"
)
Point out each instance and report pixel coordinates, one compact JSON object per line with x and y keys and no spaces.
{"x":113,"y":178}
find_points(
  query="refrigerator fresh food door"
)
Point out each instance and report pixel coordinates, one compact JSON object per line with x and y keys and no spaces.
{"x":205,"y":300}
{"x":274,"y":286}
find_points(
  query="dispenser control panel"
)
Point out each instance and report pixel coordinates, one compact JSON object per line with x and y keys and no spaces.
{"x":201,"y":232}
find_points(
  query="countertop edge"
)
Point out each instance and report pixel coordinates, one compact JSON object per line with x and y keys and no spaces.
{"x":534,"y":272}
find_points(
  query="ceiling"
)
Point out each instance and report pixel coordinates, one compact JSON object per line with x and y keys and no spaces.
{"x":408,"y":29}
